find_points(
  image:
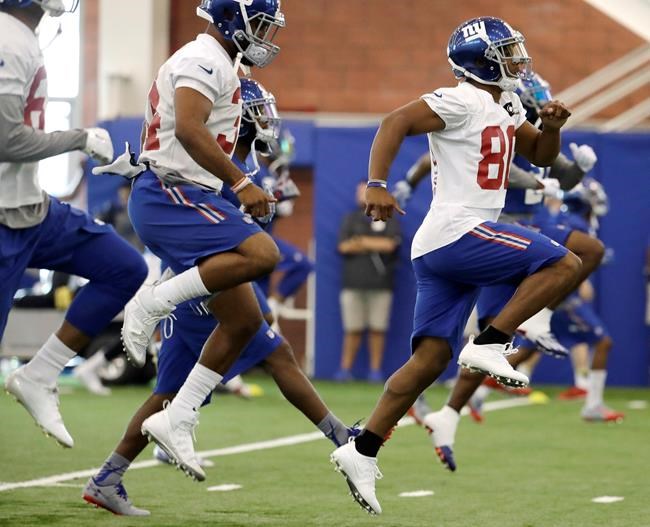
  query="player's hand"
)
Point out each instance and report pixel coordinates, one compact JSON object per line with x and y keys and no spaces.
{"x":124,"y":165}
{"x":380,"y":204}
{"x":554,"y":114}
{"x":255,"y":201}
{"x":98,"y":145}
{"x":402,"y":192}
{"x":584,"y":156}
{"x":551,"y":188}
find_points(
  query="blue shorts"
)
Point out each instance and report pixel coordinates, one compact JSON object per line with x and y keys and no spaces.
{"x":578,"y":324}
{"x":52,"y":244}
{"x":183,"y":339}
{"x":449,"y":279}
{"x":182,"y":224}
{"x":493,"y":299}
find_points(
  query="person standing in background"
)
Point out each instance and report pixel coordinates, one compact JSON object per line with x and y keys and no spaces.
{"x":369,"y":252}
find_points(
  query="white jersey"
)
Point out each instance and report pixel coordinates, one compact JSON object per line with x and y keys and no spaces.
{"x":22,"y":73}
{"x":470,"y":160}
{"x":204,"y":66}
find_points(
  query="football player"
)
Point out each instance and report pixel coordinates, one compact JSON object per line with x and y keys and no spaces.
{"x":183,"y":339}
{"x":37,"y":230}
{"x":521,"y":206}
{"x":473,"y":129}
{"x":575,"y":322}
{"x":192,"y":120}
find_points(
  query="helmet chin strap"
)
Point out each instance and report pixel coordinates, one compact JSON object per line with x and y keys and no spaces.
{"x":256,"y":164}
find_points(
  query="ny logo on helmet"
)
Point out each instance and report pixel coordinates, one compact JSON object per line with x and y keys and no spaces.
{"x":473,"y":30}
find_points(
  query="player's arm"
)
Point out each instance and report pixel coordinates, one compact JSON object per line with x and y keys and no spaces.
{"x":570,"y":173}
{"x":20,"y":143}
{"x":542,"y":147}
{"x":192,"y":112}
{"x":413,"y":119}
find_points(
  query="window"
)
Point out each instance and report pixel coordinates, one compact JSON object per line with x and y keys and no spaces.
{"x":59,"y":39}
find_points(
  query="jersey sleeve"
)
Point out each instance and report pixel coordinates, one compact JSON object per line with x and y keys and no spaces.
{"x":200,"y":75}
{"x":449,"y":105}
{"x":13,"y":75}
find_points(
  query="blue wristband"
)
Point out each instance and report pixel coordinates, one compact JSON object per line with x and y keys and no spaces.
{"x":376,"y":183}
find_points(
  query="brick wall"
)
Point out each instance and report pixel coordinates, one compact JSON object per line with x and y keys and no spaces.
{"x":372,"y":56}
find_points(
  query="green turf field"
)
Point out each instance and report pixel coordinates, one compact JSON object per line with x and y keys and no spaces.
{"x":533,"y":466}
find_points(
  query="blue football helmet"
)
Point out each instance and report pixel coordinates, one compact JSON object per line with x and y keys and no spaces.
{"x":480,"y":48}
{"x":260,"y":123}
{"x":250,"y":24}
{"x":53,"y":8}
{"x":534,"y":93}
{"x":259,"y":113}
{"x":587,"y":197}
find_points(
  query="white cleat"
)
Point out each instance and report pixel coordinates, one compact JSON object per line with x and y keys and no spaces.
{"x":360,"y":472}
{"x":538,"y":329}
{"x":443,"y":433}
{"x":88,"y":376}
{"x":490,"y":359}
{"x":161,"y":455}
{"x":113,"y":498}
{"x":176,"y":439}
{"x":141,"y":316}
{"x":42,"y":403}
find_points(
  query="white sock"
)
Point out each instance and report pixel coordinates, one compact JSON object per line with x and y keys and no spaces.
{"x":180,"y":288}
{"x":198,"y":385}
{"x":49,"y":361}
{"x":581,"y":379}
{"x":596,"y":388}
{"x":445,"y":433}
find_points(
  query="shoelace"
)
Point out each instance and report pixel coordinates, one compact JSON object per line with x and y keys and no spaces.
{"x":509,"y":349}
{"x":188,"y":426}
{"x":121,"y":492}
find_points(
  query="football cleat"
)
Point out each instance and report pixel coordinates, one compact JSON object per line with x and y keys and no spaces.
{"x":176,"y":439}
{"x":446,"y":456}
{"x":442,"y":434}
{"x":141,"y":316}
{"x":419,"y":409}
{"x":602,"y":414}
{"x":491,"y":383}
{"x":538,"y":329}
{"x":42,"y":403}
{"x":490,"y":359}
{"x":572,"y":393}
{"x":87,"y":375}
{"x":360,"y":473}
{"x":113,"y":498}
{"x":161,"y":455}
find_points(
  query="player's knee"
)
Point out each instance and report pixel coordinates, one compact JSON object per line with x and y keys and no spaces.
{"x":569,"y":267}
{"x":595,"y":251}
{"x":263,"y":255}
{"x":606,"y":343}
{"x":133,"y":273}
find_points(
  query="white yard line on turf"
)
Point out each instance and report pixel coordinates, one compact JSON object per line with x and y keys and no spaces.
{"x":238,"y":449}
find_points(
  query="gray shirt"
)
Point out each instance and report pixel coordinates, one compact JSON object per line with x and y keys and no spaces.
{"x":22,"y":145}
{"x":371,"y":270}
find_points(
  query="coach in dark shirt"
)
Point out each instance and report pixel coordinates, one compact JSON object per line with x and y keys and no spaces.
{"x":369,"y":252}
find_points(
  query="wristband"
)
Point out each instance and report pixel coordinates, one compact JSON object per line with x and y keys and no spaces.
{"x":376,"y":183}
{"x":241,"y":184}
